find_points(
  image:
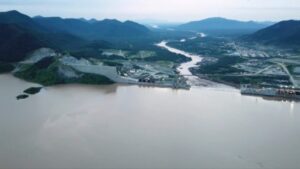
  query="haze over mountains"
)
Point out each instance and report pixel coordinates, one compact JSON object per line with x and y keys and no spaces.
{"x":218,"y":25}
{"x":20,"y":34}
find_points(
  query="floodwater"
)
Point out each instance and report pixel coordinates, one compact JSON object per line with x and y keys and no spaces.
{"x":79,"y":126}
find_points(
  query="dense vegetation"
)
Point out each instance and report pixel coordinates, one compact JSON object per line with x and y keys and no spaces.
{"x":222,"y":66}
{"x":91,"y":79}
{"x":20,"y":34}
{"x":22,"y":96}
{"x":39,"y":74}
{"x":106,"y":29}
{"x":205,"y":46}
{"x":45,"y":72}
{"x":271,"y":81}
{"x":283,"y":34}
{"x":32,"y":90}
{"x":16,"y":42}
{"x":93,"y":39}
{"x":6,"y":67}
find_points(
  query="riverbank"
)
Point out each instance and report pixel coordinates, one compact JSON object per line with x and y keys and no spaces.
{"x":185,"y":68}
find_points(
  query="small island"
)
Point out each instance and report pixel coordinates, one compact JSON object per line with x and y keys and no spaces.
{"x":33,"y":90}
{"x":22,"y":96}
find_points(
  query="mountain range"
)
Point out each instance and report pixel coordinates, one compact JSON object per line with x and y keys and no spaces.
{"x":21,"y":34}
{"x":93,"y":29}
{"x":283,"y":34}
{"x":223,"y":26}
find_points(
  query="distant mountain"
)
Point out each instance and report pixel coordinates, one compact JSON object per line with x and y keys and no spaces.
{"x":93,"y":29}
{"x":219,"y":25}
{"x":285,"y":33}
{"x":17,"y":18}
{"x":57,"y":24}
{"x":92,"y":20}
{"x":17,"y":36}
{"x":20,"y":34}
{"x":16,"y":42}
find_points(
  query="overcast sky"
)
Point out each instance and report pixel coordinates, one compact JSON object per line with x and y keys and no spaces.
{"x":159,"y":10}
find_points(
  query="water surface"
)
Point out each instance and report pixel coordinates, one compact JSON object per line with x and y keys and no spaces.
{"x":79,"y":126}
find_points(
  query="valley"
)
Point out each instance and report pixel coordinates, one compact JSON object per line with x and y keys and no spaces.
{"x":232,"y":62}
{"x":131,"y":53}
{"x":132,"y":84}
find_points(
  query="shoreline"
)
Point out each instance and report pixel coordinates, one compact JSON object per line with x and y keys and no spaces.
{"x":116,"y":85}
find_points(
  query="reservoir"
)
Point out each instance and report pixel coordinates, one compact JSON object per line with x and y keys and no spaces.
{"x":116,"y":126}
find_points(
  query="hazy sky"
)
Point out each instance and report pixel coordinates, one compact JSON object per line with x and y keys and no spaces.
{"x":160,"y":10}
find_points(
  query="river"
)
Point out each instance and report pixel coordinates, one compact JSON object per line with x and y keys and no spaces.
{"x":184,"y":68}
{"x":116,"y":126}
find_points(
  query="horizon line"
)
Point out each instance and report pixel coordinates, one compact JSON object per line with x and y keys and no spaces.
{"x":147,"y":20}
